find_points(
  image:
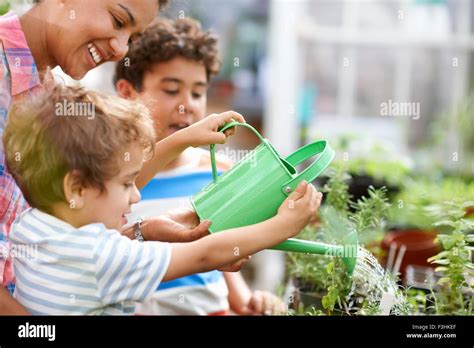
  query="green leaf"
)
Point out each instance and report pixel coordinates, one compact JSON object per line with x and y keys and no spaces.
{"x":444,"y":280}
{"x":447,"y":241}
{"x":445,"y":223}
{"x":441,"y":269}
{"x":330,"y":267}
{"x":441,"y":262}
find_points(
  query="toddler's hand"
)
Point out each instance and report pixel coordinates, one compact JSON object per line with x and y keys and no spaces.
{"x":300,"y":207}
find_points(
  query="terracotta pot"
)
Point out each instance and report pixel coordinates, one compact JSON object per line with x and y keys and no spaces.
{"x":469,"y":211}
{"x":419,"y":244}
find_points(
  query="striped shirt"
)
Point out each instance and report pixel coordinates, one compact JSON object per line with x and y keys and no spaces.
{"x":90,"y":270}
{"x":197,"y":294}
{"x":19,"y":77}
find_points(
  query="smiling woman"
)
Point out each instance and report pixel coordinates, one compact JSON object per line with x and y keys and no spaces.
{"x":60,"y":32}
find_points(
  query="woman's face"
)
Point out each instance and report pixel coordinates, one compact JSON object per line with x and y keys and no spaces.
{"x":88,"y":33}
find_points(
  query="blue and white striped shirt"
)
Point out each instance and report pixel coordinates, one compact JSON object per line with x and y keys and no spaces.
{"x":197,"y":294}
{"x":82,"y":271}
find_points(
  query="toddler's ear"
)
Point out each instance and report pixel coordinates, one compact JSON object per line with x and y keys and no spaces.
{"x":74,"y":189}
{"x":126,"y":90}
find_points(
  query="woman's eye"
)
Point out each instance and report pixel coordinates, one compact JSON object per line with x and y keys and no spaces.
{"x":128,"y":185}
{"x":118,"y":23}
{"x":197,"y":95}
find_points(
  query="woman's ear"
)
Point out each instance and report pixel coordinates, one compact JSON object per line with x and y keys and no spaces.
{"x":74,"y":189}
{"x":126,"y":90}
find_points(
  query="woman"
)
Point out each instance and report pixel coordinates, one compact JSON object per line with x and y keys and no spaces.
{"x":76,"y":35}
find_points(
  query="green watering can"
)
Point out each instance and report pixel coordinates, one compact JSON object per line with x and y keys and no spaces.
{"x":255,"y":187}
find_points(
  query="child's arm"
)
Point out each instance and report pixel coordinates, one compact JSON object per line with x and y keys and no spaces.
{"x":229,"y":246}
{"x":202,"y":133}
{"x":239,"y":292}
{"x":245,"y":302}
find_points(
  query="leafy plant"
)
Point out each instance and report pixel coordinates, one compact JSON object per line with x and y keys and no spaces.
{"x":337,"y":189}
{"x":329,"y":275}
{"x":455,"y":260}
{"x":409,"y":208}
{"x":370,"y":215}
{"x":415,"y":302}
{"x":376,"y":159}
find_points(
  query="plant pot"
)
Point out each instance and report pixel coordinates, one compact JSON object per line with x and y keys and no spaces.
{"x":469,"y":211}
{"x":420,"y":245}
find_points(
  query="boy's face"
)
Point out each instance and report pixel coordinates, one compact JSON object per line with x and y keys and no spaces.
{"x":175,"y":93}
{"x":111,"y":206}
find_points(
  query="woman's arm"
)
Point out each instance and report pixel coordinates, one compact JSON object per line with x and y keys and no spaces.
{"x":10,"y":306}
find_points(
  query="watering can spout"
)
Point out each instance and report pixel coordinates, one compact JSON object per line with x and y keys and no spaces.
{"x":348,"y":252}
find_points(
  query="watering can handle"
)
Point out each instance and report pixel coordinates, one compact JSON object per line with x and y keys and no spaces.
{"x":223,"y":129}
{"x":326,"y":155}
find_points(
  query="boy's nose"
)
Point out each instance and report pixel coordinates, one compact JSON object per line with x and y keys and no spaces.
{"x":136,"y":196}
{"x":187,"y":105}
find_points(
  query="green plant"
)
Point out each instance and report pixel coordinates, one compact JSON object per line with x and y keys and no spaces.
{"x":455,"y":260}
{"x":370,"y":215}
{"x":415,"y":302}
{"x":328,"y":275}
{"x":376,"y":159}
{"x":409,"y":206}
{"x":337,"y":189}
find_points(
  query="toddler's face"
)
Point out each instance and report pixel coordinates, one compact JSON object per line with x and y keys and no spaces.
{"x":175,"y":93}
{"x":110,"y":207}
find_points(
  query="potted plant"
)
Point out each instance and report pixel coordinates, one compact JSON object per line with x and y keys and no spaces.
{"x":412,"y":225}
{"x":322,"y":282}
{"x":454,"y":294}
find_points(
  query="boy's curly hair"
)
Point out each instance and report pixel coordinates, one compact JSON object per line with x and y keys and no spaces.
{"x":43,"y":141}
{"x":165,"y":40}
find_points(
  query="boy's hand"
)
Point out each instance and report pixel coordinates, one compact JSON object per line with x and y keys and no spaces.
{"x":300,"y":207}
{"x":264,"y":303}
{"x":206,"y":131}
